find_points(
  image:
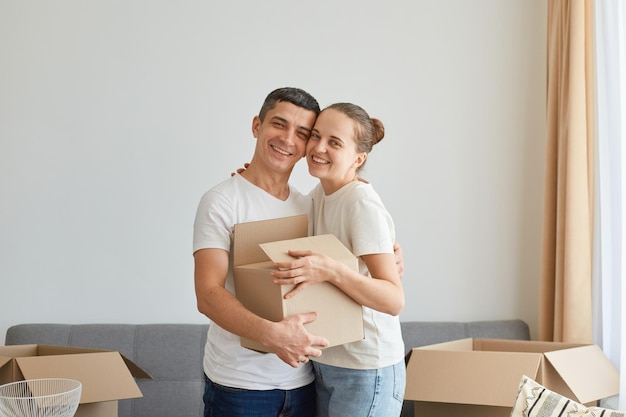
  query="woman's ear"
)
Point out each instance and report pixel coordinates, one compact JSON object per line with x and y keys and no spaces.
{"x":360,"y":159}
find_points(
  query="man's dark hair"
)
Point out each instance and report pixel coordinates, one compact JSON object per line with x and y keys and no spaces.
{"x":292,"y":95}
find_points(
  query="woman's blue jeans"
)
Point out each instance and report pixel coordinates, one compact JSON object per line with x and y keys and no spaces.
{"x":221,"y":401}
{"x":343,"y":392}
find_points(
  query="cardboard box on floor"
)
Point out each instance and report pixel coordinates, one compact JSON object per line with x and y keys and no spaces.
{"x":106,"y":376}
{"x":257,"y":245}
{"x":480,"y":377}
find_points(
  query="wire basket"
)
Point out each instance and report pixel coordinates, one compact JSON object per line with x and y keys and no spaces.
{"x":47,"y":397}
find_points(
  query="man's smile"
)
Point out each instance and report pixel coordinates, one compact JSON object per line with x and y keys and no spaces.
{"x":281,"y":151}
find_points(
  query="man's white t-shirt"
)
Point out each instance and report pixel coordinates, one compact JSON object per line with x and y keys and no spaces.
{"x":226,"y":362}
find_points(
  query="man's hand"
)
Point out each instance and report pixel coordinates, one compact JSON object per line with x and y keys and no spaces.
{"x":291,"y":341}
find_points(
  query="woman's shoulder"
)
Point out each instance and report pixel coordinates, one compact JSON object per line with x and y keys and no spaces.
{"x":364,"y":195}
{"x":363,"y":187}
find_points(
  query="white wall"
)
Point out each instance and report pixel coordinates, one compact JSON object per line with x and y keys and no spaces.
{"x":115,"y":116}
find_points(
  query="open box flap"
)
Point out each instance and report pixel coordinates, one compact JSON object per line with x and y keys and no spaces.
{"x":13,"y":351}
{"x":588,"y":373}
{"x":514,"y":345}
{"x":462,"y":345}
{"x":327,"y":244}
{"x":45,"y":350}
{"x":104,"y":375}
{"x":248,"y":236}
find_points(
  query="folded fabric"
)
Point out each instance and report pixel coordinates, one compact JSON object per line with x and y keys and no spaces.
{"x":535,"y":400}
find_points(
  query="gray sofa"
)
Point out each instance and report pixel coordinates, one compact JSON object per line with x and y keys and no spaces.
{"x":172,"y":354}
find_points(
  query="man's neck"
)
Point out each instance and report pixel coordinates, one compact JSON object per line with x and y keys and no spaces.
{"x":276,"y":184}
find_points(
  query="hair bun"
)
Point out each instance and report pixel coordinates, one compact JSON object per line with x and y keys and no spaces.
{"x":379,"y":130}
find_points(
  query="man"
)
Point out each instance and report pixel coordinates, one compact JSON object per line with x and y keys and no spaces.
{"x":242,"y":382}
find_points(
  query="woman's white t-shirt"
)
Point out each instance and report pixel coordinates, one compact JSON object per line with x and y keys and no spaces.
{"x":356,"y":215}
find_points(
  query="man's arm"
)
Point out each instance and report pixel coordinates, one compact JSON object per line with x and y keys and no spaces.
{"x":288,"y":338}
{"x":397,"y":251}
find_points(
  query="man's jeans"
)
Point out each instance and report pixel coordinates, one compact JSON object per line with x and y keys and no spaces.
{"x":221,"y":401}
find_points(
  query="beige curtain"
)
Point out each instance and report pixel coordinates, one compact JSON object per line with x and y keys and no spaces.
{"x":565,"y":304}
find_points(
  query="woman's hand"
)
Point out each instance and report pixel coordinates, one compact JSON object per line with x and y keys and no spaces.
{"x":240,"y":170}
{"x":381,"y":289}
{"x":310,"y":268}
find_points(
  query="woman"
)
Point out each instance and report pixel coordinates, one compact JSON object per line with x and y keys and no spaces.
{"x":365,"y":378}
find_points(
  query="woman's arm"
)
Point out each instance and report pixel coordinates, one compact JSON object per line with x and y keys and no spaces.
{"x":383,"y":292}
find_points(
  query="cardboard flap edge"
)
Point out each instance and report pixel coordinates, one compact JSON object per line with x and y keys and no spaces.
{"x":593,"y":377}
{"x":248,"y":236}
{"x":327,"y":244}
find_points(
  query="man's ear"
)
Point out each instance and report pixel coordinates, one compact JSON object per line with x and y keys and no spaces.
{"x":256,"y":124}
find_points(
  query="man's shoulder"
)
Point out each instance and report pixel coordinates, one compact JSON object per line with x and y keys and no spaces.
{"x":231,"y":186}
{"x":226,"y":184}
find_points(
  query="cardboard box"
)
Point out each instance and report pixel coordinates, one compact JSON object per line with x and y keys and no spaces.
{"x":480,"y":377}
{"x":257,"y":245}
{"x":106,"y":376}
